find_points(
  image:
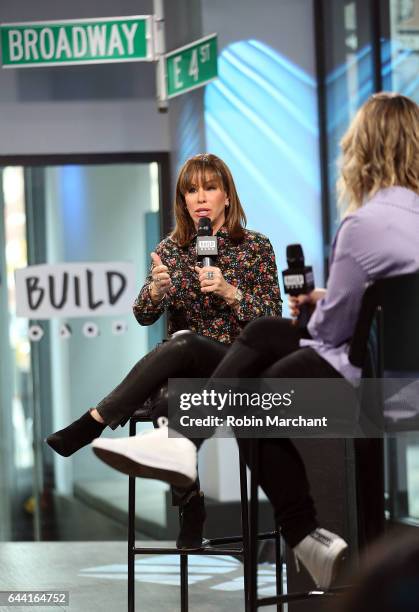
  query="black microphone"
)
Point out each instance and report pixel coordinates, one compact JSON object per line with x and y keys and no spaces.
{"x":298,"y":279}
{"x":206,"y":243}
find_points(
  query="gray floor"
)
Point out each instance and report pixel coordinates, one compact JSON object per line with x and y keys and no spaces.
{"x":95,"y":574}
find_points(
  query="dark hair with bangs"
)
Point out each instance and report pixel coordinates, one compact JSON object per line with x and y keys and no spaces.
{"x":200,"y":168}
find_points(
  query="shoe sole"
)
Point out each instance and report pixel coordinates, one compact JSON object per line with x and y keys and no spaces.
{"x":135,"y":469}
{"x":334,"y":569}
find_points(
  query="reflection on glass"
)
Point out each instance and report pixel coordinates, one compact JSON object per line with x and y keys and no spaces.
{"x":70,"y":214}
{"x":400,"y":58}
{"x":401,"y":55}
{"x":18,"y":400}
{"x":16,"y":257}
{"x":412,"y":464}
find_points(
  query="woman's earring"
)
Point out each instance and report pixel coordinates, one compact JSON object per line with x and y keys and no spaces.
{"x":227,"y":204}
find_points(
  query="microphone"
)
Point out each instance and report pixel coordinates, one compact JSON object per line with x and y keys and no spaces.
{"x":206,"y":243}
{"x":298,"y":279}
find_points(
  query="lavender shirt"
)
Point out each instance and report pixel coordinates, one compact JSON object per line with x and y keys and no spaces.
{"x":378,"y":240}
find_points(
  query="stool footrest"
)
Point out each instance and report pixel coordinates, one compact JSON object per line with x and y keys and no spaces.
{"x":176,"y":551}
{"x":282,"y":599}
{"x":234,"y":539}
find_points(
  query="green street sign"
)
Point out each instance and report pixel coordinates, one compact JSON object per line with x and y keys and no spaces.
{"x":82,"y":41}
{"x":191,"y":66}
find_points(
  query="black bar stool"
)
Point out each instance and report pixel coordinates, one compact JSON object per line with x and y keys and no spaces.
{"x":215,"y":546}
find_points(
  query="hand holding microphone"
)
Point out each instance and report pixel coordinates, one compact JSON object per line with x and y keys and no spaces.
{"x":296,"y":301}
{"x":161,"y":281}
{"x":210,"y":276}
{"x":212,"y":280}
{"x":299,"y":284}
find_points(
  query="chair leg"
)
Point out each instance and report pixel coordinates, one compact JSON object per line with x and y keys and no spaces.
{"x":278,"y":565}
{"x":131,"y":545}
{"x":184,"y":583}
{"x":131,"y":534}
{"x":245,"y":528}
{"x":253,"y":525}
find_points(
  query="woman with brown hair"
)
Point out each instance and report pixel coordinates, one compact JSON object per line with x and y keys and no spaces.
{"x":215,"y":302}
{"x":377,"y":238}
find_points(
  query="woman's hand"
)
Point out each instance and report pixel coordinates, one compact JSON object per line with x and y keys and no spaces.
{"x":161,"y":281}
{"x":295,"y":301}
{"x":213,"y":281}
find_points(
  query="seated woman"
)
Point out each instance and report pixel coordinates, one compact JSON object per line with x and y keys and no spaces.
{"x":215,"y":302}
{"x":377,"y":238}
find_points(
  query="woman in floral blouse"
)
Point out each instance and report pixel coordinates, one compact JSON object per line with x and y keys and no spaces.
{"x":214,"y":302}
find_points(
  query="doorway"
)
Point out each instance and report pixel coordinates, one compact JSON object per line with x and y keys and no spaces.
{"x":59,"y":210}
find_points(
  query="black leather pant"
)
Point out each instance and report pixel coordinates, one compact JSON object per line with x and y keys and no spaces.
{"x":185,"y":355}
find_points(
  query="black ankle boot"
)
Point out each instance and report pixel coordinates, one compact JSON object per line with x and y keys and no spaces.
{"x":192,"y":519}
{"x":67,"y":441}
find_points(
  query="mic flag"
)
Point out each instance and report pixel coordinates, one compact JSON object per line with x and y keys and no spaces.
{"x":298,"y":278}
{"x":206,"y":243}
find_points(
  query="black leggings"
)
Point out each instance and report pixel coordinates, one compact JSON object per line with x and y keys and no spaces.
{"x":267,"y":347}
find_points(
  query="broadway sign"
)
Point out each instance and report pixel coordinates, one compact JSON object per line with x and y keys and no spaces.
{"x":83,"y":41}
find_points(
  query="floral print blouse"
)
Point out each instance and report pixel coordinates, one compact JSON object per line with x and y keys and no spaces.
{"x":249,"y":265}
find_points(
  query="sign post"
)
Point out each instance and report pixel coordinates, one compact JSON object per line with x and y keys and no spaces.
{"x":191,"y":66}
{"x":112,"y":39}
{"x":82,"y":41}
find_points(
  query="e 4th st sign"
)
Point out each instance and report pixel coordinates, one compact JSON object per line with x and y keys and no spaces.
{"x":83,"y":41}
{"x":191,"y":66}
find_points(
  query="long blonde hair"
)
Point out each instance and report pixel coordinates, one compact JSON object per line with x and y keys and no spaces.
{"x":380,"y":149}
{"x":198,"y":169}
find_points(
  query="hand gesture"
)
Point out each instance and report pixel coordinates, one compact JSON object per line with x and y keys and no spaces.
{"x":212,"y":280}
{"x":161,"y":281}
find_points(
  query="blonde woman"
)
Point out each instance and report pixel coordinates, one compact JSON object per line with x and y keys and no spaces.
{"x":378,"y":237}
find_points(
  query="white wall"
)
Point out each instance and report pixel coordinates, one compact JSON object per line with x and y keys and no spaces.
{"x":285,"y":25}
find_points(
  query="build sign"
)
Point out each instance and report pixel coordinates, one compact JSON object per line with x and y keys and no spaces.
{"x":75,"y":290}
{"x":83,"y":41}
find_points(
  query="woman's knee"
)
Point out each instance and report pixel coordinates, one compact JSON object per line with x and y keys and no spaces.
{"x":198,"y":352}
{"x":184,"y":340}
{"x":260,"y":332}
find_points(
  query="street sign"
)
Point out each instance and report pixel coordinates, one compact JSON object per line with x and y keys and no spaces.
{"x":82,"y":41}
{"x":191,"y":66}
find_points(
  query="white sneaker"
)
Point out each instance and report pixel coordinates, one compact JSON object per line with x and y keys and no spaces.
{"x":321,"y":553}
{"x":151,"y":455}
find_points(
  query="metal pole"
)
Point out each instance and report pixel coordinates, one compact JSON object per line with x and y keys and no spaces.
{"x":253,"y":525}
{"x":159,"y":52}
{"x":278,"y":565}
{"x":319,"y":41}
{"x":131,"y":531}
{"x":244,"y":502}
{"x":184,"y":583}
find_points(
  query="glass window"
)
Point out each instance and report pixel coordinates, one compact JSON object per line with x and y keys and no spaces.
{"x":60,"y":214}
{"x":401,"y":49}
